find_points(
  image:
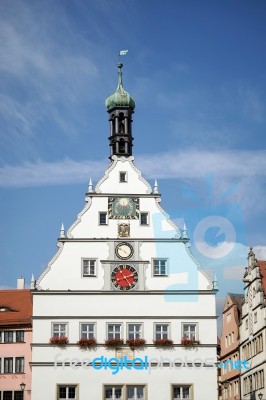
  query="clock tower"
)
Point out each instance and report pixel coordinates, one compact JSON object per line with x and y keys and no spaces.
{"x":125,"y":285}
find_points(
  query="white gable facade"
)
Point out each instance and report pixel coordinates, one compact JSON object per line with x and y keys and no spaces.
{"x":129,"y":311}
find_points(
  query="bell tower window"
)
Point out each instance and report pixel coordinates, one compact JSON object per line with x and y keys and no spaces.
{"x":121,"y":128}
{"x":121,"y":124}
{"x":121,"y":146}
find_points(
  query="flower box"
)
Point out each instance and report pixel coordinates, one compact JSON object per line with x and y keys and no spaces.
{"x":163,"y":342}
{"x":59,"y":341}
{"x":136,"y":342}
{"x":114,"y":342}
{"x":189,"y":342}
{"x":85,"y":343}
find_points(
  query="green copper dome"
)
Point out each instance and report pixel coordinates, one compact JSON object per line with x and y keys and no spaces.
{"x":120,"y":98}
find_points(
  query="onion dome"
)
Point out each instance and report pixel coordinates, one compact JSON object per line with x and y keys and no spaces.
{"x":120,"y":98}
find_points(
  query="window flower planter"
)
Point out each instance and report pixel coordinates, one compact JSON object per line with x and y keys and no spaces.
{"x":136,"y":342}
{"x":189,"y":342}
{"x":114,"y":342}
{"x":86,"y":343}
{"x":59,"y":341}
{"x":163,"y":342}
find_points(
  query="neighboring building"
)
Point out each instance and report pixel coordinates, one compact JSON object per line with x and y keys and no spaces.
{"x":230,"y":376}
{"x":253,"y":329}
{"x":15,"y":344}
{"x":123,"y":271}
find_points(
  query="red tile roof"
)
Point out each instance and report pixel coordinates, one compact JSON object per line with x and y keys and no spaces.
{"x":19,"y":307}
{"x":262,"y":265}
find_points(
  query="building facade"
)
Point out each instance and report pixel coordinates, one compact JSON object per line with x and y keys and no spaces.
{"x":253,"y":329}
{"x":15,"y":344}
{"x":230,"y":339}
{"x":123,"y":310}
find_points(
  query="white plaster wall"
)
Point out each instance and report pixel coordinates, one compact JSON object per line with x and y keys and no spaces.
{"x":122,"y":304}
{"x":66,"y":271}
{"x":135,"y":183}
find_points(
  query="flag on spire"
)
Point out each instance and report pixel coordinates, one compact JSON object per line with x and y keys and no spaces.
{"x":123,"y":52}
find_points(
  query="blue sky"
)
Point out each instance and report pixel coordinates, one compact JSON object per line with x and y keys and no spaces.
{"x":197,"y":71}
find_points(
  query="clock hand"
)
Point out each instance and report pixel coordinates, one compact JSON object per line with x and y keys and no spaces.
{"x":124,"y":278}
{"x":128,"y":276}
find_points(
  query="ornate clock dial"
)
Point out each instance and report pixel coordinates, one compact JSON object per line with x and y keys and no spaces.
{"x":124,"y":277}
{"x":123,"y":208}
{"x":124,"y":251}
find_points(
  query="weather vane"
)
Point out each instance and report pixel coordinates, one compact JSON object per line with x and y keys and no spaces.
{"x":122,"y":53}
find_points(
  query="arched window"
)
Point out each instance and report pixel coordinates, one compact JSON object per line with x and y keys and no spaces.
{"x":121,"y":146}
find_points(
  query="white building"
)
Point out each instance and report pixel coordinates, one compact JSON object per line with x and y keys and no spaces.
{"x":253,"y":330}
{"x":124,"y":271}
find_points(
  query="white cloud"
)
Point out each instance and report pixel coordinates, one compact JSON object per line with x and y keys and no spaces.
{"x":42,"y":173}
{"x":260,"y":252}
{"x":177,"y":165}
{"x":44,"y":70}
{"x":196,"y":164}
{"x":234,"y":272}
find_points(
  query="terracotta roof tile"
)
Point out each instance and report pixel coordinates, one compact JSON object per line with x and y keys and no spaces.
{"x":19,"y":307}
{"x":262,"y":265}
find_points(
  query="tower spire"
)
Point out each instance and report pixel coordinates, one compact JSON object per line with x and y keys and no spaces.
{"x":120,"y":107}
{"x":120,"y":73}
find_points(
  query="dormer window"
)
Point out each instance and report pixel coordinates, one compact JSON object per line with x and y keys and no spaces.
{"x":122,"y":177}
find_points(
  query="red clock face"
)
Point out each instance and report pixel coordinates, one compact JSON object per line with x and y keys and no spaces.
{"x":124,"y":277}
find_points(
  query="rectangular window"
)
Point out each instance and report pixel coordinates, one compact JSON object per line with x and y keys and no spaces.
{"x":18,"y":395}
{"x":59,"y":330}
{"x":8,"y":336}
{"x":161,"y":331}
{"x":135,"y":393}
{"x":255,"y":317}
{"x":189,"y":331}
{"x":19,"y":364}
{"x":113,"y":392}
{"x":182,"y":392}
{"x":122,"y":177}
{"x":67,"y":392}
{"x":8,"y":365}
{"x":102,"y":218}
{"x":7,"y":395}
{"x":144,"y":218}
{"x":159,"y":267}
{"x":236,"y":387}
{"x":246,"y":323}
{"x":114,"y":331}
{"x":89,"y":268}
{"x":134,"y":331}
{"x":87,"y":331}
{"x":19,"y":336}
